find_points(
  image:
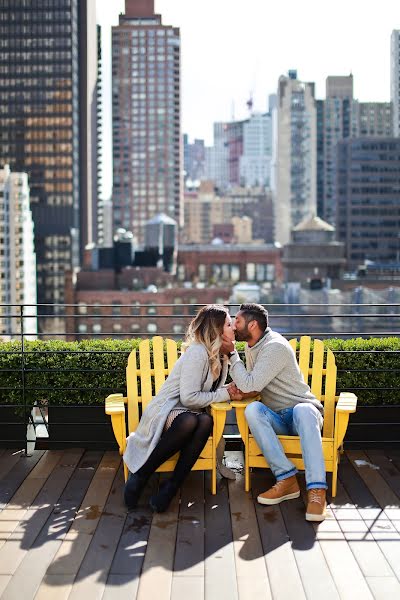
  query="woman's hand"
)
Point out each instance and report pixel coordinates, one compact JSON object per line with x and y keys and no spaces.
{"x":234,"y":392}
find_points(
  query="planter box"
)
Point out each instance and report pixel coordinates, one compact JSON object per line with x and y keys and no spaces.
{"x":12,"y":429}
{"x":80,"y":427}
{"x":374,"y":426}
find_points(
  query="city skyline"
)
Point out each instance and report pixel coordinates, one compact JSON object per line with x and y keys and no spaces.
{"x":267,"y":52}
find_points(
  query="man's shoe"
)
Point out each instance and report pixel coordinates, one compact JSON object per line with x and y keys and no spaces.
{"x":285,"y":489}
{"x":316,"y":505}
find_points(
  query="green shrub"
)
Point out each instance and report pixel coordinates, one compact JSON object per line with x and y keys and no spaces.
{"x":85,"y":372}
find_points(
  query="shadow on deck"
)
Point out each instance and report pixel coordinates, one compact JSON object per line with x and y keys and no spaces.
{"x":65,"y":533}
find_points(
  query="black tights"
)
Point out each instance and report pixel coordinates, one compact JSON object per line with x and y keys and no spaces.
{"x":187,"y":434}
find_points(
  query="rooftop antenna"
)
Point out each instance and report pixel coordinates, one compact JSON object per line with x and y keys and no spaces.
{"x":249,"y":103}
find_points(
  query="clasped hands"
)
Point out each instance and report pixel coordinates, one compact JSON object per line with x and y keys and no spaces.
{"x":234,"y":392}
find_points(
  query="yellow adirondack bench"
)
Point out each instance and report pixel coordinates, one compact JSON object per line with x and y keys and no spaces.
{"x":145,"y":373}
{"x":321,"y":377}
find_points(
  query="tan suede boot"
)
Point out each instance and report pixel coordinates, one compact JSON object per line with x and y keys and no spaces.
{"x":316,"y":505}
{"x":285,"y":489}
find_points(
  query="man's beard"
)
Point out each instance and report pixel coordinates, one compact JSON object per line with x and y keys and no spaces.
{"x":242,"y":336}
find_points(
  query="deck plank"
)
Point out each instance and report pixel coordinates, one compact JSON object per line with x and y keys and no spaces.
{"x":124,"y":574}
{"x":16,"y":475}
{"x":251,"y":570}
{"x":373,"y":514}
{"x":283,"y":573}
{"x":367,"y":553}
{"x":219,"y":569}
{"x":188,"y":574}
{"x":28,"y":556}
{"x":344,"y":569}
{"x":91,"y":578}
{"x":189,"y":553}
{"x":7,"y":460}
{"x":313,"y":568}
{"x":156,"y":577}
{"x":71,"y":553}
{"x":388,"y":469}
{"x":16,"y":509}
{"x":384,"y":588}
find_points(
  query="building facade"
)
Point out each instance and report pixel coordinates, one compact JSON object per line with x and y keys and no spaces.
{"x":147,"y":155}
{"x":368,"y":199}
{"x":296,"y":155}
{"x":313,"y":255}
{"x":395,"y":80}
{"x":255,"y":162}
{"x":340,"y":117}
{"x":47,"y":125}
{"x":207,"y":210}
{"x":193,"y":161}
{"x":17,"y":256}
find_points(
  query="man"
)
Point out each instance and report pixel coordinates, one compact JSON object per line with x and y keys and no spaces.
{"x":287,"y":407}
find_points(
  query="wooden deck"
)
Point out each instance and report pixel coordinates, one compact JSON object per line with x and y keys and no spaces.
{"x":64,"y":533}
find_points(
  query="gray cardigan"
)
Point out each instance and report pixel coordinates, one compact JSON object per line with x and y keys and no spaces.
{"x":188,"y":385}
{"x":272,"y":369}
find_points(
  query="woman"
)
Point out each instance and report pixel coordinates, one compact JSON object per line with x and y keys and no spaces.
{"x":176,"y":419}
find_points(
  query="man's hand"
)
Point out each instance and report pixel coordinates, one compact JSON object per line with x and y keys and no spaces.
{"x":227,"y":345}
{"x":234,"y":392}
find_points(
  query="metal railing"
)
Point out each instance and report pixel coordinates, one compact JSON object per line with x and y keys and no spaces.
{"x":319,"y":321}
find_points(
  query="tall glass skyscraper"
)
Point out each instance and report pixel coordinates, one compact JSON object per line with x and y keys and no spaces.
{"x":47,"y":122}
{"x":147,"y":146}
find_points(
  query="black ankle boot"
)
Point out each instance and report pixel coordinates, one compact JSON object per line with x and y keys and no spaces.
{"x":133,"y":489}
{"x":160,"y":502}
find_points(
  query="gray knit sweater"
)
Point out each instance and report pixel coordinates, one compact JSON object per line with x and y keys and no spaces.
{"x":272,"y":369}
{"x":188,"y":385}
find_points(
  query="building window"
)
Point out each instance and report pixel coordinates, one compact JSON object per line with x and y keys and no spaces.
{"x":177,"y":328}
{"x":82,"y":328}
{"x":82,"y":308}
{"x":135,"y":326}
{"x":117,"y":327}
{"x":116,"y":308}
{"x":152,"y":328}
{"x":250,"y":271}
{"x":96,"y":328}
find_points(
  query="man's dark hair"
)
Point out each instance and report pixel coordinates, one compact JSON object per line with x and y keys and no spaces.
{"x":255,"y":312}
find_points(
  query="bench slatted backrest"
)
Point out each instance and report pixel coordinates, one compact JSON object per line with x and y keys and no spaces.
{"x":145,"y":373}
{"x":320,"y":376}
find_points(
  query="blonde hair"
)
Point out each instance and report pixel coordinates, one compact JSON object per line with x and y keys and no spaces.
{"x":206,"y":328}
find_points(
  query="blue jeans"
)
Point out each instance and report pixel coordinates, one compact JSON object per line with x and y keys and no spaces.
{"x":303,"y":420}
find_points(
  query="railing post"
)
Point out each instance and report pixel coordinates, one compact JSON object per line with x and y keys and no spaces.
{"x":30,"y":438}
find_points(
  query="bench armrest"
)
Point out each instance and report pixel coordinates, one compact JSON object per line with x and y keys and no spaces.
{"x":221,"y":406}
{"x":115,"y":404}
{"x":115,"y":407}
{"x":347,"y":403}
{"x":245,"y":402}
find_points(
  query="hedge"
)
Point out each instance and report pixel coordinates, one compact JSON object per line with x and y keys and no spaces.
{"x":98,"y":367}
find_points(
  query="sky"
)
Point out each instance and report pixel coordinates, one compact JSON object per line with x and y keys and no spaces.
{"x":234,"y":49}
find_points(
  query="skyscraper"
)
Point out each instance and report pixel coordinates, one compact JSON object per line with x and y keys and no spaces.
{"x":368,"y":213}
{"x":395,"y":80}
{"x":147,"y":147}
{"x":47,"y":122}
{"x":340,"y":117}
{"x":296,"y":157}
{"x":17,"y":254}
{"x":338,"y":123}
{"x":255,"y":162}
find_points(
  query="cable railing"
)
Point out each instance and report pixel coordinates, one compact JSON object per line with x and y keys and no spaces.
{"x":83,"y":375}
